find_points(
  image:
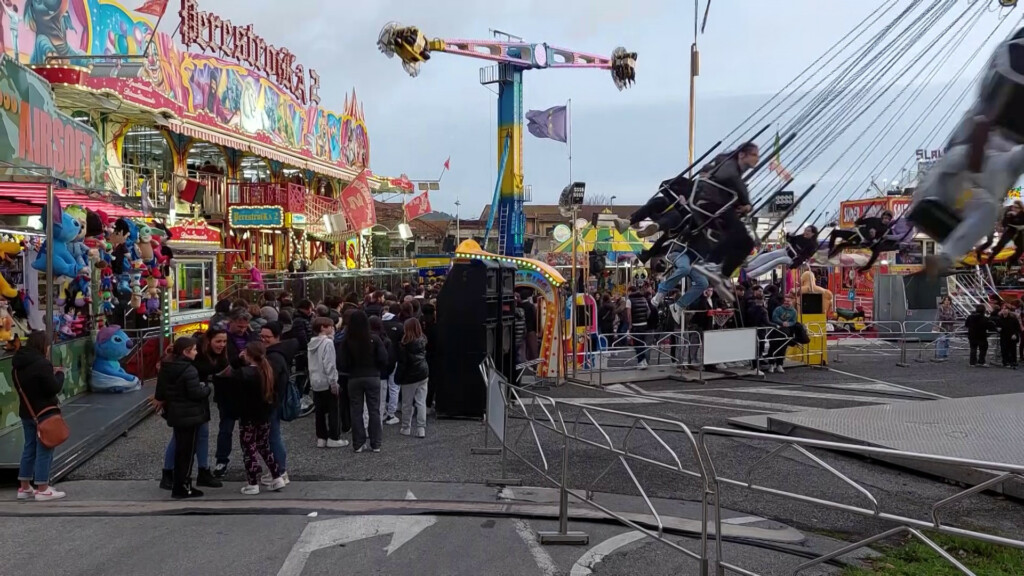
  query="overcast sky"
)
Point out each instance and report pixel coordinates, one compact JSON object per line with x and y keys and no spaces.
{"x":624,"y":142}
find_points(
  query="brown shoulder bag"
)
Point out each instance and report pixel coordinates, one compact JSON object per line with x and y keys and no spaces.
{"x":51,"y":431}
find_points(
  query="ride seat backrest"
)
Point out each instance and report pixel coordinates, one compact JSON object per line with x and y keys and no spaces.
{"x":933,"y":218}
{"x":699,"y":188}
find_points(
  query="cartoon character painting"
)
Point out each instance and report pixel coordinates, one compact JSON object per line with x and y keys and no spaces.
{"x":253,"y":116}
{"x":112,"y":344}
{"x":50,"y":21}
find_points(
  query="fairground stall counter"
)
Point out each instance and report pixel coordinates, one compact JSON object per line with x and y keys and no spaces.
{"x":193,"y":282}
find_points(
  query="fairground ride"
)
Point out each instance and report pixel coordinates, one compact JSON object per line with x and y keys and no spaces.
{"x":513,"y":57}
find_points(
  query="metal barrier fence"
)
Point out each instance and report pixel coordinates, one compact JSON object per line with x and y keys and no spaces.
{"x":574,"y":425}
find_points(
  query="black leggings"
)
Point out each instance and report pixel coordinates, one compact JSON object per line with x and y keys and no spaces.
{"x":847,"y":236}
{"x":735,"y":244}
{"x":185,"y":438}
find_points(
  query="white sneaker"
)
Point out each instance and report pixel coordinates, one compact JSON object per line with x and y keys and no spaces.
{"x":780,"y":369}
{"x":621,"y":224}
{"x":642,"y":365}
{"x":405,"y":432}
{"x":649,"y":230}
{"x":31,"y":492}
{"x":321,"y":443}
{"x":277,"y":484}
{"x":251,"y":489}
{"x":658,"y":298}
{"x":267,"y":479}
{"x":392,"y":420}
{"x":337,"y":443}
{"x":771,"y":369}
{"x":49,"y":494}
{"x":421,"y":433}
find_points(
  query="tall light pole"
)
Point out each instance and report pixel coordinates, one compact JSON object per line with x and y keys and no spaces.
{"x":694,"y":72}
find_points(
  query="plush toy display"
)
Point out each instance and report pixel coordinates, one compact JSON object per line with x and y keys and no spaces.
{"x":112,"y":344}
{"x":65,"y":230}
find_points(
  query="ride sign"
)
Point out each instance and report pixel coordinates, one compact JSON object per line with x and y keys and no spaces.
{"x":210,"y":32}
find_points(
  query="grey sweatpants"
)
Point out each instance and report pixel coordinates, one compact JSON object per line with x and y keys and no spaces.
{"x":976,"y":198}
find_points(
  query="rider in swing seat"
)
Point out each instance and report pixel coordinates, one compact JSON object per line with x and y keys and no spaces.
{"x":799,"y":249}
{"x":869,"y":230}
{"x":958,"y":202}
{"x":726,"y":192}
{"x":1013,"y":230}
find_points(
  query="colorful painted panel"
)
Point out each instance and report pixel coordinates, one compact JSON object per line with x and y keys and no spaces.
{"x":76,"y":358}
{"x":35,"y":134}
{"x":197,"y":87}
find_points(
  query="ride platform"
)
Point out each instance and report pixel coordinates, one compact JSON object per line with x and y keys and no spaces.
{"x":95,"y":421}
{"x":986,"y":428}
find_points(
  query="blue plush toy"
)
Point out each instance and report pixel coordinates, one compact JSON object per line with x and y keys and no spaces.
{"x":112,"y":344}
{"x":65,"y":230}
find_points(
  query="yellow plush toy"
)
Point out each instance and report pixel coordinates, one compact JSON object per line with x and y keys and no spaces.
{"x":6,"y":325}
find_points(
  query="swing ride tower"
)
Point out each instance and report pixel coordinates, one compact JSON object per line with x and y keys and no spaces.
{"x":512,"y":57}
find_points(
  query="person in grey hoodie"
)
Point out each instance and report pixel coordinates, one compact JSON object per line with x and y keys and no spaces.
{"x":323,"y":382}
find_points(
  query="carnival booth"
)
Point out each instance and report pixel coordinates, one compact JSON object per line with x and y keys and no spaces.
{"x":193,"y":281}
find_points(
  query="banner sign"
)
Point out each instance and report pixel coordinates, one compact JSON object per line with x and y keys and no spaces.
{"x":853,"y":210}
{"x":357,"y":202}
{"x":256,"y":217}
{"x":194,"y":231}
{"x":35,"y":134}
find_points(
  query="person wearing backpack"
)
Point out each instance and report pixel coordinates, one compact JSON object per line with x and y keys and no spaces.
{"x":280,"y":354}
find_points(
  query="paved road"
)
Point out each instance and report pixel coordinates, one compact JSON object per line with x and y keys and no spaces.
{"x":860,"y":379}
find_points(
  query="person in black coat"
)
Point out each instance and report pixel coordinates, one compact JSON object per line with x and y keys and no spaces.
{"x":1009,"y":335}
{"x":186,"y":407}
{"x":38,"y":383}
{"x":239,"y":334}
{"x":361,"y":356}
{"x":978,"y":326}
{"x":412,"y":375}
{"x":429,"y":325}
{"x":280,"y":354}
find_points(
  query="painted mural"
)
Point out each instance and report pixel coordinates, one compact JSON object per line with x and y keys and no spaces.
{"x":197,"y":87}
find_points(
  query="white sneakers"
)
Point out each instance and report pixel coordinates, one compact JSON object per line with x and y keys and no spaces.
{"x":275,"y":485}
{"x":657,"y":299}
{"x":268,"y":480}
{"x":335,"y":443}
{"x":49,"y":494}
{"x":641,"y":365}
{"x":392,"y":420}
{"x":321,"y":443}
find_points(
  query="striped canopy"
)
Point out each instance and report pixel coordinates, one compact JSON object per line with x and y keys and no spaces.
{"x":609,"y":240}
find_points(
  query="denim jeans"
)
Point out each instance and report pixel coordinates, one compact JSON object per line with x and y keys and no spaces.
{"x":942,"y":346}
{"x":202,"y":449}
{"x":225,"y":433}
{"x":392,"y":394}
{"x":277,"y":441}
{"x":35,"y":458}
{"x":682,"y":268}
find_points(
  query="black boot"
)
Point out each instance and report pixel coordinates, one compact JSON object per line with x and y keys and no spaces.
{"x":206,"y":478}
{"x":167,"y":480}
{"x":186,"y":491}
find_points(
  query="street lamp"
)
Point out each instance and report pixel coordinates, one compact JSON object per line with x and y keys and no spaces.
{"x":612,"y":201}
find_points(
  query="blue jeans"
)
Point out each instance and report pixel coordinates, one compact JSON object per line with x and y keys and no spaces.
{"x":681,"y":268}
{"x":277,"y":442}
{"x":202,"y":449}
{"x":225,"y":433}
{"x":942,"y":346}
{"x":35,"y":458}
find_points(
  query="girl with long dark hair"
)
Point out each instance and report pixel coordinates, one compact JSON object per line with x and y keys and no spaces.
{"x":184,"y":399}
{"x":363,"y":357}
{"x":252,"y":393}
{"x":210,"y":360}
{"x":412,"y":375}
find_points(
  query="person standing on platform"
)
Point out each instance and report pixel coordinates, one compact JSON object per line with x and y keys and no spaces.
{"x":255,"y":277}
{"x":978,"y":326}
{"x":639,"y":310}
{"x":38,"y":384}
{"x":186,"y":407}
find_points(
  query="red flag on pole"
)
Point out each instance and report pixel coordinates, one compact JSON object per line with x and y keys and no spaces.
{"x":418,"y":206}
{"x":357,"y":203}
{"x":447,"y":163}
{"x":153,"y":7}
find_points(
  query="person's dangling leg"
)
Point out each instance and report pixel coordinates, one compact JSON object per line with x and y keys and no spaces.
{"x":979,"y":251}
{"x":1004,"y":241}
{"x":767,"y":261}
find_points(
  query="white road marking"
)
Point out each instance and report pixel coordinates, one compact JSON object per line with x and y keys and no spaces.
{"x":600,"y":401}
{"x":327,"y":533}
{"x":821,"y":395}
{"x":409,"y":495}
{"x":869,"y":379}
{"x":584,"y":566}
{"x":506,"y":493}
{"x":713,"y":401}
{"x":540,"y":555}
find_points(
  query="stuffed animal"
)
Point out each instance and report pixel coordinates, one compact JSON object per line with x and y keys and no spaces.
{"x":152,"y":295}
{"x":6,"y":325}
{"x":112,"y":344}
{"x":65,"y":230}
{"x":77,"y":246}
{"x":6,"y":290}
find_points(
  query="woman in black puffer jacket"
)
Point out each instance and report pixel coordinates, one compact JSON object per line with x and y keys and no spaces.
{"x":412,"y":375}
{"x":185,"y":407}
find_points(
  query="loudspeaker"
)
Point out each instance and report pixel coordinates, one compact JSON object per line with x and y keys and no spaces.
{"x":812,"y":303}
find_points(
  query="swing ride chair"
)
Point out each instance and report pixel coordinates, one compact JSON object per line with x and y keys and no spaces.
{"x":696,"y":219}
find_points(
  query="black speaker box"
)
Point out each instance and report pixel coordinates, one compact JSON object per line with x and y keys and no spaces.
{"x":812,"y":303}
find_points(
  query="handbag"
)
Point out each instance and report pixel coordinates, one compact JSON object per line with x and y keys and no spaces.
{"x":291,"y":407}
{"x":51,"y":431}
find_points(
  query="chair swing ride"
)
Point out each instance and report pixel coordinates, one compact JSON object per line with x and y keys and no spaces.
{"x":861,"y":90}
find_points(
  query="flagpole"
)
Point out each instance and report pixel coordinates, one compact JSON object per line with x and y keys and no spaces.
{"x":568,"y":109}
{"x":152,"y":36}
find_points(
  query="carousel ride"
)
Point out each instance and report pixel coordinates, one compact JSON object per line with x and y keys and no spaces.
{"x":512,"y":58}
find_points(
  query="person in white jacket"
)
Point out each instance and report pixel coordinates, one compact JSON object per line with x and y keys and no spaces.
{"x":323,"y":381}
